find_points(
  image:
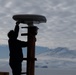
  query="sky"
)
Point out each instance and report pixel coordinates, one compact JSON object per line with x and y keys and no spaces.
{"x":58,"y":31}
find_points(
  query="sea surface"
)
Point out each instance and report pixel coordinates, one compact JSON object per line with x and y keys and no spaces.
{"x":47,"y":71}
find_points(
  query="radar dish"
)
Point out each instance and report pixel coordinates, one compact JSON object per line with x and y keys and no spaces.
{"x":27,"y":18}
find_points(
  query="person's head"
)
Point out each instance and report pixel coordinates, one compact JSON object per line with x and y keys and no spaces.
{"x":11,"y":34}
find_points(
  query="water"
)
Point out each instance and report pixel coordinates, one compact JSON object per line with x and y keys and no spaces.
{"x":47,"y":71}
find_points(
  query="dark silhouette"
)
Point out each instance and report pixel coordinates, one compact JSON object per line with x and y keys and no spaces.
{"x":15,"y":48}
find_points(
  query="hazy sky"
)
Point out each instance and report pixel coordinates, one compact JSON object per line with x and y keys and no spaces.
{"x":60,"y":29}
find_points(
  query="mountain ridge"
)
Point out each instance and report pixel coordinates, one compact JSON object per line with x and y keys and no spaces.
{"x":60,"y":57}
{"x":60,"y":51}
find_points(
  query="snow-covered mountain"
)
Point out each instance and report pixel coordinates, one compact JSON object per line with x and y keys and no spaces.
{"x":60,"y":57}
{"x":61,"y":52}
{"x":4,"y":51}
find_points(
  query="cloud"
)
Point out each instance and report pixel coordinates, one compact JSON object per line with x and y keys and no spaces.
{"x":60,"y":29}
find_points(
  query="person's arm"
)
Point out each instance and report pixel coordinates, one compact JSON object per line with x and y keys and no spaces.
{"x":16,"y":30}
{"x":23,"y":43}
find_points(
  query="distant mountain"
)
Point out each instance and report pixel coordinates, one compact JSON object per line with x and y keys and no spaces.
{"x":4,"y":55}
{"x":61,"y":52}
{"x":4,"y":51}
{"x":60,"y":57}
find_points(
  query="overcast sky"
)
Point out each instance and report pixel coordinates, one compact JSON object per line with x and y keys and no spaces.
{"x":60,"y":29}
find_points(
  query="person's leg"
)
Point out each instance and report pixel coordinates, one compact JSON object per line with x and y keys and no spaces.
{"x":15,"y":72}
{"x":19,"y":67}
{"x":16,"y":68}
{"x":13,"y":67}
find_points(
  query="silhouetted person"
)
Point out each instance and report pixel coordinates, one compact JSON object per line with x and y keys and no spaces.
{"x":15,"y":48}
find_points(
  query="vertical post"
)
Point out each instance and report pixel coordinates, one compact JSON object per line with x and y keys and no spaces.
{"x":32,"y":31}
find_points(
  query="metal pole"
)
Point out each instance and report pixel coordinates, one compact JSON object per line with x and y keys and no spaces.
{"x":32,"y":31}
